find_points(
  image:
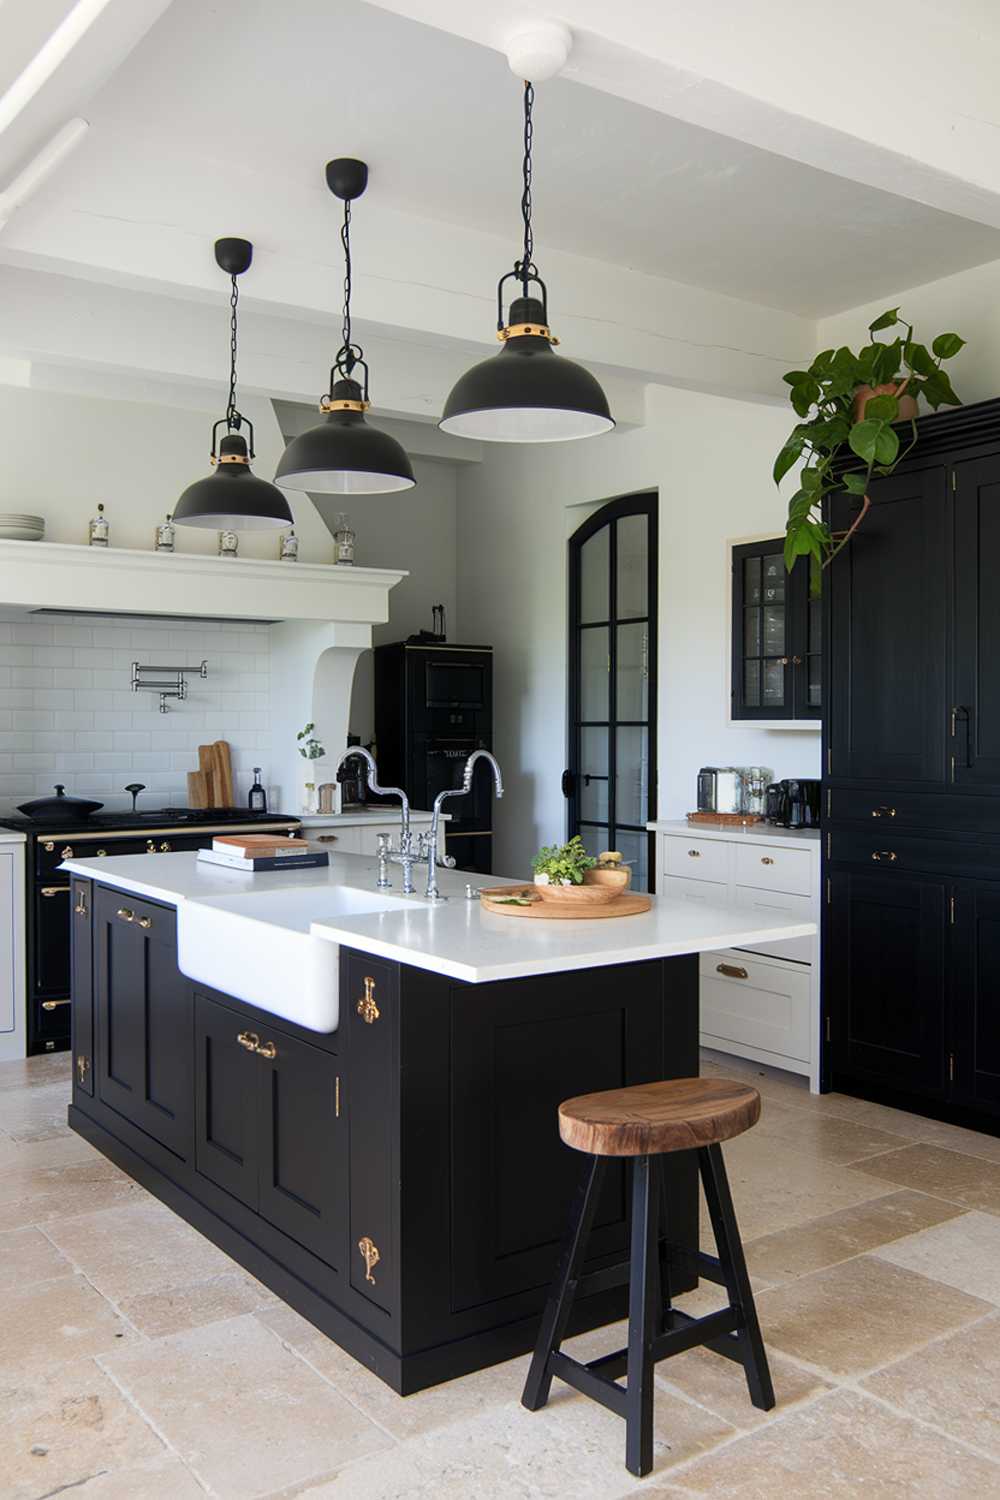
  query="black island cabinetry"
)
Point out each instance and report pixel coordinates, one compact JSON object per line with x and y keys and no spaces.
{"x":912,"y":781}
{"x":401,"y":1181}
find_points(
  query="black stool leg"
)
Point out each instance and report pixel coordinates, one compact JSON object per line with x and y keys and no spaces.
{"x":665,"y":1302}
{"x":734,"y":1267}
{"x":560,"y":1303}
{"x":644,"y":1315}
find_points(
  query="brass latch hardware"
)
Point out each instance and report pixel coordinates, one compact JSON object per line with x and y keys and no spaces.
{"x":53,"y":1004}
{"x":248,"y":1039}
{"x":145,"y":922}
{"x":266,"y":1049}
{"x":81,"y":902}
{"x":336,"y":1098}
{"x":732,"y":971}
{"x":82,"y":1067}
{"x":951,"y":1067}
{"x":55,"y":890}
{"x":829,"y":891}
{"x":367,"y":1009}
{"x":370,"y":1255}
{"x":887,"y":855}
{"x":124,"y":914}
{"x":829,"y":845}
{"x":883,"y":812}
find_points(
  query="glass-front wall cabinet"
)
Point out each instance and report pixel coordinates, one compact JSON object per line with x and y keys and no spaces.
{"x":777,"y":640}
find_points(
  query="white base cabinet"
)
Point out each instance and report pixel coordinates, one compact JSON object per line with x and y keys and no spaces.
{"x":761,"y":1004}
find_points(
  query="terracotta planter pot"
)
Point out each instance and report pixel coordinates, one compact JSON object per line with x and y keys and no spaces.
{"x":864,"y":393}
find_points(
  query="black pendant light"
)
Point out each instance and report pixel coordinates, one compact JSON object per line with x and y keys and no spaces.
{"x":527,"y":393}
{"x":233,"y":499}
{"x":342,"y":455}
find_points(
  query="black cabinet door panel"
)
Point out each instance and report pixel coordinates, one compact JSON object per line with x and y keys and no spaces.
{"x":885,"y":976}
{"x":145,"y":1019}
{"x":890,"y":600}
{"x":301,"y":1190}
{"x":83,"y":985}
{"x":976,"y":995}
{"x":226,"y":1123}
{"x":976,"y":709}
{"x":369,"y":1010}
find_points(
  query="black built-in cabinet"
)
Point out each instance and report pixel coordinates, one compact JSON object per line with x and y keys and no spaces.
{"x":777,"y":644}
{"x":912,"y":780}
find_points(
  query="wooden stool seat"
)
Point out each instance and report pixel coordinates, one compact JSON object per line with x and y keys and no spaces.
{"x":681,"y":1114}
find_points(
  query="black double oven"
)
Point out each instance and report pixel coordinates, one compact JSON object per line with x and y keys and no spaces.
{"x":433,"y":707}
{"x":48,"y":893}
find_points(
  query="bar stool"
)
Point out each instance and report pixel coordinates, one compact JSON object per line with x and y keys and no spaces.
{"x":642,"y":1123}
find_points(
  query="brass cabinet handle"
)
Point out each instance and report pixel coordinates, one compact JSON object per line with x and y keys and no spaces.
{"x":82,"y":1067}
{"x":883,"y":812}
{"x":266,"y":1049}
{"x":326,"y":838}
{"x":371,"y":1256}
{"x":889,"y":855}
{"x":55,"y":890}
{"x":766,"y":859}
{"x":81,"y":903}
{"x":53,"y":1004}
{"x":101,"y":853}
{"x":731,"y":971}
{"x":125,"y":914}
{"x":248,"y":1039}
{"x":367,"y":1009}
{"x":694,"y":854}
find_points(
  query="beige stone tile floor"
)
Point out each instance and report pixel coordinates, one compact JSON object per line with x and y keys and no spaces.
{"x":137,"y":1362}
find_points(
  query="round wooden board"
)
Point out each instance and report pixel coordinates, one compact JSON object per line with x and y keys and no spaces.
{"x":629,"y":905}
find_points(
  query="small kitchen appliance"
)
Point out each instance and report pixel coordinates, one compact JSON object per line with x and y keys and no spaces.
{"x":720,"y":789}
{"x":794,"y":802}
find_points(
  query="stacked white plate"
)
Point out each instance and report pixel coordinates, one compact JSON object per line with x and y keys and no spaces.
{"x":15,"y":527}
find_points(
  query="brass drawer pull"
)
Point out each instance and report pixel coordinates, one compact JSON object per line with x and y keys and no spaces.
{"x":883,"y":812}
{"x":55,"y":890}
{"x":694,"y":854}
{"x":53,"y":1004}
{"x":732,"y":971}
{"x":125,"y":914}
{"x":266,"y":1049}
{"x":889,"y":855}
{"x":248,"y":1039}
{"x":371,"y":1256}
{"x":326,"y":838}
{"x":766,"y":859}
{"x":367,"y":1009}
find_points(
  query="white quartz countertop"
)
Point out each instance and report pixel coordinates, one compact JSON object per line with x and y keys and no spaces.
{"x":755,"y":833}
{"x":386,"y":813}
{"x":458,"y":937}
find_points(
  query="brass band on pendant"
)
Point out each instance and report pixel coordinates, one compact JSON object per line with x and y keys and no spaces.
{"x":526,"y":330}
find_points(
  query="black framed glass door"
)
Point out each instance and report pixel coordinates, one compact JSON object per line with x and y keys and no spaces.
{"x":610,"y":783}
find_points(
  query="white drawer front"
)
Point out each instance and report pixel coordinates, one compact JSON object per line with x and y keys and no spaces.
{"x":705,"y":892}
{"x":697,"y":859}
{"x":758,"y":1004}
{"x":335,"y":840}
{"x":780,"y":904}
{"x":771,"y":868}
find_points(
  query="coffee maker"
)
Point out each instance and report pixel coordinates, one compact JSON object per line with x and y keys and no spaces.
{"x":794,"y":802}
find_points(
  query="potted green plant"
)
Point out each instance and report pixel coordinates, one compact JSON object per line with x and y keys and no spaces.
{"x":847,"y":404}
{"x":562,"y":864}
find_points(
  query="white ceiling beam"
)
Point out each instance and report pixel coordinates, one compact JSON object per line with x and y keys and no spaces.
{"x":905,"y":102}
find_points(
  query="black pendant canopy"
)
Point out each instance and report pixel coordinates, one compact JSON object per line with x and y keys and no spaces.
{"x":233,"y":498}
{"x":527,"y":393}
{"x":342,"y":455}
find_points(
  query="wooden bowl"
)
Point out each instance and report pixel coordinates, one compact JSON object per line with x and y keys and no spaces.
{"x":577,"y":895}
{"x":615,"y":880}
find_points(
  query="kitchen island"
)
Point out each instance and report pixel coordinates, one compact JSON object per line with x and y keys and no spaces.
{"x":392,"y":1170}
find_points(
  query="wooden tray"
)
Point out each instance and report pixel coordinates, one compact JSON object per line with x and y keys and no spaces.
{"x":629,"y":905}
{"x":725,"y":820}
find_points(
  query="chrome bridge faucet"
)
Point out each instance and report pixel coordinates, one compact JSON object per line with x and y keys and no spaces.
{"x":406,"y":855}
{"x":428,"y":849}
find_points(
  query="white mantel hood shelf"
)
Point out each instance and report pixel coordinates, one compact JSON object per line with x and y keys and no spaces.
{"x":46,"y":575}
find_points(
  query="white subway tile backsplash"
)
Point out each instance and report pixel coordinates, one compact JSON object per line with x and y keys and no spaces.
{"x":67,"y":712}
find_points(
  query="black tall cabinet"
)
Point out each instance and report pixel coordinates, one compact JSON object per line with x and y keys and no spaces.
{"x":912,"y":780}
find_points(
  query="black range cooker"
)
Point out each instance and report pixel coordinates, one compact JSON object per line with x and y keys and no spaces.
{"x":97,"y":836}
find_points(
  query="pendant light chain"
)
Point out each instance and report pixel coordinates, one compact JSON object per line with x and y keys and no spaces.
{"x":345,"y":240}
{"x":233,"y":418}
{"x":526,"y":267}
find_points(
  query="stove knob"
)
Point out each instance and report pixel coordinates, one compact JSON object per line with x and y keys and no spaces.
{"x":165,"y":848}
{"x":49,"y":846}
{"x":66,"y":853}
{"x":150,"y":846}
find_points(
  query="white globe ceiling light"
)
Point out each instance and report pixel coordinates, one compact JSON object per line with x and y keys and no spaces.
{"x":527,"y":393}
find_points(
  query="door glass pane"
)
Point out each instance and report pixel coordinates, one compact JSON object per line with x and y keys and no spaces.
{"x":751,"y":684}
{"x":595,"y":577}
{"x":594,"y":765}
{"x":751,"y":632}
{"x":774,"y":630}
{"x":633,"y":567}
{"x":815,"y":694}
{"x":632,"y":688}
{"x":595,"y":839}
{"x":774,"y":684}
{"x":774,"y":579}
{"x":751,"y":580}
{"x":635,"y":848}
{"x":631,"y":776}
{"x":594,"y":673}
{"x":815,"y":627}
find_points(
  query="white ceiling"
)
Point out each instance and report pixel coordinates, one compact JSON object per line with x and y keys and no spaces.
{"x":282,"y":87}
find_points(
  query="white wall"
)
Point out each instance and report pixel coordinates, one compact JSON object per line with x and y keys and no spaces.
{"x":415,"y":529}
{"x":62,"y":455}
{"x":710,"y":459}
{"x":968,"y":303}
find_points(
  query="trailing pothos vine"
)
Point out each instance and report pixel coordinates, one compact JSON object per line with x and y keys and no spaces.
{"x":839,"y":418}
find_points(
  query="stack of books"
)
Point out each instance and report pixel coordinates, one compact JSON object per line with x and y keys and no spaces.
{"x":263,"y":851}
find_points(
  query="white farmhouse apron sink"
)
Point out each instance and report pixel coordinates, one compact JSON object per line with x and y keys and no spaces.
{"x":257,"y":946}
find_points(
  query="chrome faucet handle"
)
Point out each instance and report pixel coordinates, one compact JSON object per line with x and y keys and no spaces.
{"x":383,"y":851}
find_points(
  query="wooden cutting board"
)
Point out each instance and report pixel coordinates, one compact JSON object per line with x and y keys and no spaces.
{"x":629,"y":905}
{"x":206,"y":768}
{"x":199,"y":789}
{"x":222,"y":774}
